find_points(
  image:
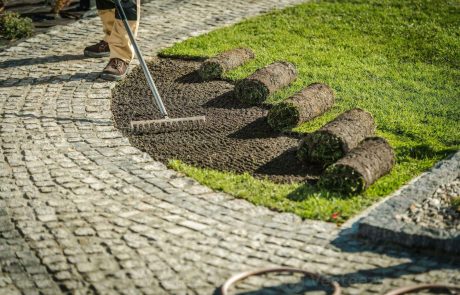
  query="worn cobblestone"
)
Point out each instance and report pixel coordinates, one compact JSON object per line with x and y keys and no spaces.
{"x":83,"y":212}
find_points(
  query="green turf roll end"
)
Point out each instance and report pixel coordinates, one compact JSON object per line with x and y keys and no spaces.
{"x":337,"y":137}
{"x":310,"y":102}
{"x":320,"y":147}
{"x":251,"y":92}
{"x":343,"y":179}
{"x":359,"y":168}
{"x":211,"y":70}
{"x":283,"y":116}
{"x":256,"y":88}
{"x":215,"y":67}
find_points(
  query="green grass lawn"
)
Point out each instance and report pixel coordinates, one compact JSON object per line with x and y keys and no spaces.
{"x":397,"y":59}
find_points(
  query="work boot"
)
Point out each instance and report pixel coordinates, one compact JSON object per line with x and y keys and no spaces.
{"x":115,"y":70}
{"x":100,"y":49}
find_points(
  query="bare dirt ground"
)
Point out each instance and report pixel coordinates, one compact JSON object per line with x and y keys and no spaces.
{"x":236,"y":137}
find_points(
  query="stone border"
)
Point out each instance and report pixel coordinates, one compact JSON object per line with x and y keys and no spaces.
{"x":380,"y":223}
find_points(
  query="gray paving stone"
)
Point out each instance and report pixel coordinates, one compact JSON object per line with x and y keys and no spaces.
{"x":83,"y":212}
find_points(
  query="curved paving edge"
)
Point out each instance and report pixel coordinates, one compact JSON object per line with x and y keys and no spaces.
{"x":83,"y":212}
{"x":381,"y":223}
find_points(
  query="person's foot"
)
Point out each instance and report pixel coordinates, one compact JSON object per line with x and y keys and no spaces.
{"x":100,"y":49}
{"x":115,"y":70}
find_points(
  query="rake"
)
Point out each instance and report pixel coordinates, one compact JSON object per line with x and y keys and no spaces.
{"x":161,"y":125}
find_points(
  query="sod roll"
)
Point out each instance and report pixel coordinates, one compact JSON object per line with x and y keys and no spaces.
{"x":303,"y":106}
{"x":336,"y":138}
{"x":256,"y":88}
{"x":214,"y":67}
{"x":360,"y":168}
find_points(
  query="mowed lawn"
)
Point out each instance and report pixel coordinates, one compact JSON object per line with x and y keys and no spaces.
{"x":397,"y":59}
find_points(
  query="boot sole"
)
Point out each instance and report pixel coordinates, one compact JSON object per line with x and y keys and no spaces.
{"x":111,"y":77}
{"x":96,"y":54}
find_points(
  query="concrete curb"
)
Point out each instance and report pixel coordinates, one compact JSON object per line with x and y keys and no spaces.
{"x":380,"y":223}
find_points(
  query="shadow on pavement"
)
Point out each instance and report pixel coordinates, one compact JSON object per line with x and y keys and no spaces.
{"x":418,"y":261}
{"x":54,"y":79}
{"x":61,"y":119}
{"x":40,"y":60}
{"x":373,"y":272}
{"x":303,"y":286}
{"x":265,"y":284}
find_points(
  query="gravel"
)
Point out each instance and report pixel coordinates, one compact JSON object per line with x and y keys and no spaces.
{"x":436,"y":211}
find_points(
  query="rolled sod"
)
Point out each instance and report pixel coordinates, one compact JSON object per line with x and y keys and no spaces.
{"x":256,"y":88}
{"x":360,"y":168}
{"x":336,"y":138}
{"x":303,"y":106}
{"x":214,"y":67}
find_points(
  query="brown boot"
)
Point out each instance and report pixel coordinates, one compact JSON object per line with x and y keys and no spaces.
{"x":115,"y":70}
{"x":100,"y":49}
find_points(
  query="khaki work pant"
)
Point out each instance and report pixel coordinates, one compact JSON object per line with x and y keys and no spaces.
{"x":114,"y":30}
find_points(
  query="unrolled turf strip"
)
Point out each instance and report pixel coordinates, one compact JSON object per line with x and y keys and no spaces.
{"x":256,"y":88}
{"x":360,"y":168}
{"x":336,"y":138}
{"x":214,"y":67}
{"x":303,"y":106}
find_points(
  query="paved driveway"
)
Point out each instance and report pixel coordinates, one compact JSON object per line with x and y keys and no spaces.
{"x":83,"y":212}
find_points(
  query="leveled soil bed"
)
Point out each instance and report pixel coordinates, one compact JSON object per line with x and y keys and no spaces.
{"x":236,"y":138}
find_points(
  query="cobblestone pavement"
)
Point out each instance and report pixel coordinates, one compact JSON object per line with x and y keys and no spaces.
{"x":83,"y":212}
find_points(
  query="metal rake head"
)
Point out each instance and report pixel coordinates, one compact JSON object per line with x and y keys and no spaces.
{"x":168,"y":125}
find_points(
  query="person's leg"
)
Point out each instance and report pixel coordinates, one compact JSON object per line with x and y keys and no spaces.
{"x":108,"y":18}
{"x":106,"y":11}
{"x":121,"y":50}
{"x":120,"y":45}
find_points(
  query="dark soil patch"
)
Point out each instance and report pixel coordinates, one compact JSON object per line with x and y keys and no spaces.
{"x":236,"y":138}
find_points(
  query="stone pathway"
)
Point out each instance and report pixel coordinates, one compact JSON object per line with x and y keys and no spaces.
{"x":83,"y":212}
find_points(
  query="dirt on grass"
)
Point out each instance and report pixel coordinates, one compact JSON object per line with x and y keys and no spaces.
{"x":236,"y":137}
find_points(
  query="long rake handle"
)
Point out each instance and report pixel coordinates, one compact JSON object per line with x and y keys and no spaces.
{"x":157,"y":99}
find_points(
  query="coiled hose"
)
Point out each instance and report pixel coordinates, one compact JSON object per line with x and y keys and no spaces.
{"x":243,"y":275}
{"x":324,"y":281}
